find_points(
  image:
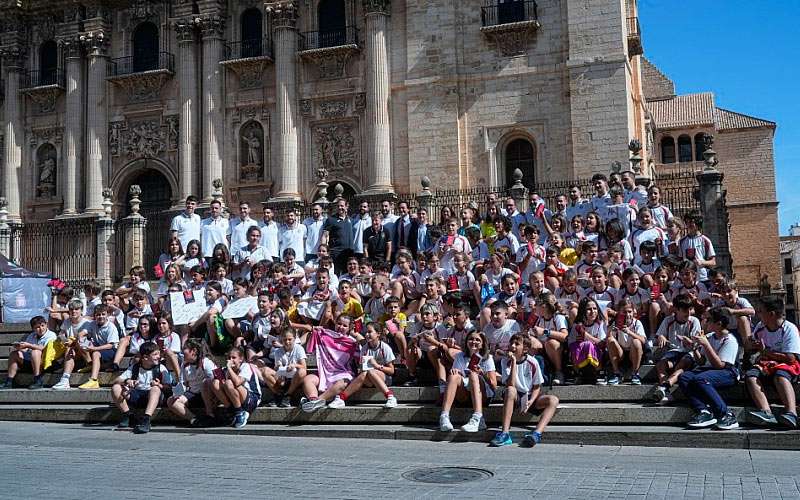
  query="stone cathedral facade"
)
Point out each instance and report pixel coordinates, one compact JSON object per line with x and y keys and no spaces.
{"x":172,"y":95}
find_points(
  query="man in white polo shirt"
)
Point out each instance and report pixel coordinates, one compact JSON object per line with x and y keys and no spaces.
{"x":213,"y":230}
{"x":269,"y":234}
{"x":240,"y":225}
{"x":186,"y":225}
{"x":361,"y":221}
{"x":293,"y":235}
{"x":313,"y":231}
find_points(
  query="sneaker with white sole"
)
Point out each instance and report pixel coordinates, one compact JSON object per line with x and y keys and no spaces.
{"x":702,"y":420}
{"x":475,"y":424}
{"x":337,"y":403}
{"x":62,"y":385}
{"x":240,"y":420}
{"x":444,"y":423}
{"x":558,"y":379}
{"x":727,"y":422}
{"x":391,"y":402}
{"x":660,"y":393}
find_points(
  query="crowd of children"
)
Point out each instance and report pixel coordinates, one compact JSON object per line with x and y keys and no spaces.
{"x":490,"y":308}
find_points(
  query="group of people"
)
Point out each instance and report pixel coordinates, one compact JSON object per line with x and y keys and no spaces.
{"x":489,"y":307}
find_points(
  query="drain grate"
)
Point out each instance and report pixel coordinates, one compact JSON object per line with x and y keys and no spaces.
{"x":447,"y":475}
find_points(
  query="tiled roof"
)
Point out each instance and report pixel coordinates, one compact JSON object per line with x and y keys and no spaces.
{"x":683,"y":111}
{"x":728,"y":120}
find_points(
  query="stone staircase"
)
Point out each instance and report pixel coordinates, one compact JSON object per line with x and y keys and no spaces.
{"x":616,"y":415}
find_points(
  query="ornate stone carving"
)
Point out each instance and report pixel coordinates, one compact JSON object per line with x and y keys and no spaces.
{"x":360,"y":101}
{"x":72,"y":47}
{"x":46,"y":27}
{"x":212,"y":26}
{"x":335,"y":149}
{"x":142,"y":10}
{"x":306,"y":107}
{"x":333,"y":109}
{"x":331,"y":61}
{"x":149,"y":138}
{"x":13,"y":56}
{"x":249,"y":71}
{"x":41,"y":135}
{"x":186,"y":29}
{"x":284,"y":14}
{"x":95,"y":42}
{"x":45,"y":98}
{"x":245,"y":113}
{"x":377,"y":6}
{"x":511,"y":39}
{"x":98,"y":11}
{"x":143,"y":87}
{"x":46,"y":162}
{"x":252,"y":152}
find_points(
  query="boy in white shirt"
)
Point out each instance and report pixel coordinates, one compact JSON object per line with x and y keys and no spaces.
{"x":500,"y":329}
{"x":213,"y":230}
{"x":29,"y":353}
{"x":139,"y":307}
{"x":522,"y":377}
{"x":142,"y":385}
{"x":672,"y":345}
{"x":186,"y":225}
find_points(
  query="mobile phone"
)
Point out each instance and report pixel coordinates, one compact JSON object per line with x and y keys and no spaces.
{"x":160,"y":342}
{"x":540,"y":210}
{"x":474,"y":361}
{"x":656,"y":290}
{"x":620,"y":320}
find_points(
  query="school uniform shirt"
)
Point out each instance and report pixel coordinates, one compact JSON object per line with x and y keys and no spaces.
{"x":136,"y":342}
{"x":480,"y":252}
{"x":640,"y":297}
{"x":70,"y":330}
{"x":187,"y":227}
{"x":269,"y":238}
{"x":458,"y":335}
{"x":519,"y":298}
{"x":213,"y":232}
{"x":625,"y":339}
{"x":661,"y":215}
{"x":654,"y":234}
{"x":529,"y":373}
{"x":375,"y":308}
{"x":535,"y":263}
{"x":261,"y":325}
{"x":508,"y":241}
{"x":638,"y":193}
{"x":251,"y":383}
{"x":460,"y":244}
{"x":583,"y":268}
{"x":565,"y":298}
{"x":597,"y":330}
{"x":599,"y":204}
{"x":670,"y":328}
{"x":382,"y":354}
{"x":90,"y":305}
{"x":727,"y":348}
{"x":101,"y":335}
{"x":464,"y":282}
{"x":678,"y":288}
{"x":313,"y":232}
{"x":311,"y":307}
{"x":188,"y":264}
{"x":703,"y":249}
{"x":417,"y":331}
{"x":284,"y":359}
{"x":741,"y":303}
{"x":131,"y":322}
{"x":624,"y":213}
{"x":255,"y":255}
{"x":495,"y":278}
{"x":461,"y":363}
{"x":146,"y":376}
{"x":604,"y":298}
{"x":293,"y":237}
{"x":172,"y":342}
{"x":238,"y":230}
{"x":555,"y":324}
{"x":499,"y":337}
{"x":195,"y":375}
{"x":785,"y":339}
{"x":227,"y":286}
{"x":42,"y":341}
{"x":643,"y":268}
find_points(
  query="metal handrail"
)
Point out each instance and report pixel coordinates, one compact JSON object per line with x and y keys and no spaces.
{"x":336,"y":37}
{"x":243,"y":49}
{"x":495,"y":13}
{"x":129,"y":65}
{"x":633,"y":27}
{"x":44,"y":78}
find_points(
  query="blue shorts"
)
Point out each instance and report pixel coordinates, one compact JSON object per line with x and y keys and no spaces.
{"x":673,"y":357}
{"x":251,"y":403}
{"x":138,"y":398}
{"x":107,"y":356}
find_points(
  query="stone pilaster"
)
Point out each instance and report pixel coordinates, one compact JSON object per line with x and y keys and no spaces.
{"x":134,"y":225}
{"x":213,"y":28}
{"x":13,"y":58}
{"x":96,"y":45}
{"x":73,"y":130}
{"x":284,"y":24}
{"x":105,"y":240}
{"x":187,"y":71}
{"x":379,"y":146}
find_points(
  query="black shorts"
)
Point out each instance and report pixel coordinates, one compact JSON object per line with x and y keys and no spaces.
{"x":138,"y":398}
{"x":251,"y":403}
{"x":757,"y":373}
{"x":193,"y":400}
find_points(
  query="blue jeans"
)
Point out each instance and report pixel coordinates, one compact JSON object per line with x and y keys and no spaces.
{"x":700,"y":386}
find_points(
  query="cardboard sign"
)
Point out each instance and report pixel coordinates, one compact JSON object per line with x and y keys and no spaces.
{"x":185,"y":311}
{"x":240,"y":307}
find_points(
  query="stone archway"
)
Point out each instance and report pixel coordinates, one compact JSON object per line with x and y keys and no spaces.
{"x":156,"y":192}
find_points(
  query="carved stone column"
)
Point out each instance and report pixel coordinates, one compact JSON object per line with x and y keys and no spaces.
{"x":188,"y":100}
{"x":13,"y":58}
{"x":105,"y":239}
{"x":284,"y":23}
{"x":96,"y":45}
{"x":378,"y":144}
{"x":73,"y":133}
{"x":213,"y":29}
{"x":134,"y":225}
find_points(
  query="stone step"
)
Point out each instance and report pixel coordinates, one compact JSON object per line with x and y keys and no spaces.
{"x":15,"y":328}
{"x":10,"y":338}
{"x":616,"y":414}
{"x":595,"y":435}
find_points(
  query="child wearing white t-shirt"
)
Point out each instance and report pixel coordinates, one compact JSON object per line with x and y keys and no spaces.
{"x":142,"y":385}
{"x":29,"y":352}
{"x":236,"y":387}
{"x":290,"y":369}
{"x":196,"y":368}
{"x":522,"y":377}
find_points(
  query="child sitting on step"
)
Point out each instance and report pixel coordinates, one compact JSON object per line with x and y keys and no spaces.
{"x":523,"y":379}
{"x":586,"y":341}
{"x":142,"y":385}
{"x":196,"y":368}
{"x":673,"y":343}
{"x":28,"y":353}
{"x":290,"y":368}
{"x":236,"y":387}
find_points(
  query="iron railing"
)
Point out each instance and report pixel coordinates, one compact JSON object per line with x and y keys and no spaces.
{"x":244,"y":49}
{"x":129,"y":65}
{"x":44,"y":78}
{"x":335,"y":37}
{"x":496,"y":12}
{"x":67,"y":249}
{"x":633,"y":27}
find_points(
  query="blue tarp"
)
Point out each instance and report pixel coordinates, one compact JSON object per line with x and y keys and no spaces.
{"x":25,"y":293}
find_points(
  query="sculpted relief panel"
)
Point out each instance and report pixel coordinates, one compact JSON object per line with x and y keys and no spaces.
{"x":336,"y":148}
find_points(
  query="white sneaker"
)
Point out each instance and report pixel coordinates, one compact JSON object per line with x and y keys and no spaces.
{"x":337,"y":403}
{"x":444,"y":423}
{"x":391,"y":402}
{"x":62,"y":385}
{"x":475,"y":424}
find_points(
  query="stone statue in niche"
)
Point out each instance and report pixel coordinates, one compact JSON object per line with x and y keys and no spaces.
{"x":252,"y":151}
{"x":46,"y":180}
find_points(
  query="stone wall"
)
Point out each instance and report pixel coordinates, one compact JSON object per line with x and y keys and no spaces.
{"x":655,"y":84}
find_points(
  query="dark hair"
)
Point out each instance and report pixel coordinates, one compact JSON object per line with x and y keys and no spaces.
{"x":599,"y":177}
{"x":167,"y":316}
{"x":484,"y":343}
{"x":648,"y":246}
{"x":191,"y":197}
{"x":682,"y":301}
{"x":583,"y":305}
{"x":101,"y":308}
{"x":772,"y":303}
{"x":694,"y":216}
{"x":37,"y":320}
{"x":226,"y":254}
{"x":199,"y":270}
{"x":147,"y":348}
{"x":151,"y":322}
{"x":92,"y":287}
{"x":289,"y":252}
{"x":139,"y":294}
{"x":214,"y":285}
{"x":716,"y":315}
{"x":499,"y":306}
{"x":526,"y":340}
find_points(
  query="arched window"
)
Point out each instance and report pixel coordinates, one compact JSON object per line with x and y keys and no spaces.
{"x":252,"y":32}
{"x":667,"y":150}
{"x":699,"y":147}
{"x":685,"y":152}
{"x":145,"y":47}
{"x":48,"y":63}
{"x":520,"y":155}
{"x":510,"y":11}
{"x":332,"y":23}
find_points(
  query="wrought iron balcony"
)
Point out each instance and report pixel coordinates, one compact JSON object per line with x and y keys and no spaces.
{"x":337,"y":37}
{"x":131,"y":65}
{"x":52,"y":77}
{"x":634,"y":37}
{"x":496,"y":13}
{"x":248,"y":49}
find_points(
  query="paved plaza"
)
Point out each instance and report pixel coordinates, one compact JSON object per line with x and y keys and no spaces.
{"x":101,"y":463}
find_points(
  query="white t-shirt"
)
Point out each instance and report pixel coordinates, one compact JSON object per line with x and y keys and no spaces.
{"x":535,"y":263}
{"x":238,"y":231}
{"x":251,"y":382}
{"x":741,"y":303}
{"x":101,"y":335}
{"x":417,"y":331}
{"x":294,"y":238}
{"x":785,"y":339}
{"x":460,"y":244}
{"x":269,"y":238}
{"x":555,"y":324}
{"x":670,"y":328}
{"x":529,"y":374}
{"x":213,"y":232}
{"x":597,"y":330}
{"x":360,"y":224}
{"x":703,"y":249}
{"x":70,"y":330}
{"x":727,"y":348}
{"x":383,"y":353}
{"x":604,"y":298}
{"x":42,"y":341}
{"x":136,"y":342}
{"x":454,"y":333}
{"x":256,"y":255}
{"x":509,"y":241}
{"x":661,"y":215}
{"x":132,"y":320}
{"x":145,"y":376}
{"x":171,"y":342}
{"x":499,"y":337}
{"x":187,"y":227}
{"x":313,"y":232}
{"x":284,"y":359}
{"x":194,"y":375}
{"x":461,"y":363}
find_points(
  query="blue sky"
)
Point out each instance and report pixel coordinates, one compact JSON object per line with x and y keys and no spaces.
{"x":748,"y":54}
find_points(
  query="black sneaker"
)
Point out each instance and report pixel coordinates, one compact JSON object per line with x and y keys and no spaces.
{"x":286,"y":402}
{"x":143,"y":427}
{"x":8,"y":384}
{"x":272,"y":403}
{"x":37,"y":384}
{"x":115,"y":368}
{"x":411,"y":382}
{"x":702,"y":420}
{"x":727,"y":422}
{"x":788,"y":420}
{"x":126,"y":422}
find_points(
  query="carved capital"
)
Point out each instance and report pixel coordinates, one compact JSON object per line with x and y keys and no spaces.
{"x":284,"y":14}
{"x":212,"y":26}
{"x":377,"y":6}
{"x":186,"y":29}
{"x":96,"y":43}
{"x":72,"y":46}
{"x":13,"y":56}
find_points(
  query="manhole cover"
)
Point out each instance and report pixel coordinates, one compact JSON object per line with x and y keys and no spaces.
{"x":447,"y":475}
